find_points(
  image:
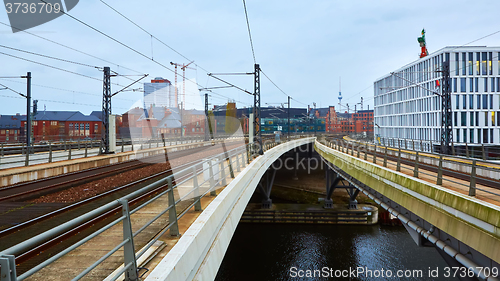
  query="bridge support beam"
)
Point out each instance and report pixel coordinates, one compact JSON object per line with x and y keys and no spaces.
{"x":265,"y":187}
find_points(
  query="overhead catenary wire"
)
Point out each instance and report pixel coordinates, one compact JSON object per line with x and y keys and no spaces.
{"x":249,"y":33}
{"x":68,"y":47}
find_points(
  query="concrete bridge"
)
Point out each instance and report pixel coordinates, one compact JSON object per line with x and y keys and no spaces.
{"x":462,"y":223}
{"x":464,"y":229}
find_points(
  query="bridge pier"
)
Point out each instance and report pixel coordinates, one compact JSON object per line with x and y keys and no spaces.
{"x":332,"y":182}
{"x":266,"y":187}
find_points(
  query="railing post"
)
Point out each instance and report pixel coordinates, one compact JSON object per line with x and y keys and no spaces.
{"x":375,"y":155}
{"x":453,"y":149}
{"x":398,"y":164}
{"x":65,"y":145}
{"x":149,"y":144}
{"x":366,"y":151}
{"x":69,"y":153}
{"x":472,"y":187}
{"x":415,"y":171}
{"x":212,"y":179}
{"x":8,"y":264}
{"x":27,"y":160}
{"x":128,"y":248}
{"x":237,"y":163}
{"x":439,"y":180}
{"x":223,"y":181}
{"x":91,"y":144}
{"x":431,"y":148}
{"x":85,"y":150}
{"x":172,"y":213}
{"x":385,"y":157}
{"x":197,"y":197}
{"x":50,"y":152}
{"x":1,"y":149}
{"x":230,"y":165}
{"x":352,"y":149}
{"x":482,"y":151}
{"x":359,"y":147}
{"x":123,"y":146}
{"x":466,"y":150}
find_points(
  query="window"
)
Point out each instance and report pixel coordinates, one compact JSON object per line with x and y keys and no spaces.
{"x":484,"y":63}
{"x":464,"y":69}
{"x":485,"y":135}
{"x":478,"y":135}
{"x":471,"y":63}
{"x":455,"y":122}
{"x":476,"y":84}
{"x":486,"y":119}
{"x":492,"y":85}
{"x":498,"y":118}
{"x":485,"y":85}
{"x":455,"y":85}
{"x":478,"y":59}
{"x":478,"y":102}
{"x":471,"y":85}
{"x":493,"y":118}
{"x":465,"y":135}
{"x":471,"y":117}
{"x":457,"y":102}
{"x":458,"y":135}
{"x":457,"y":68}
{"x":491,"y":101}
{"x":490,"y":62}
{"x":491,"y":136}
{"x":477,"y":118}
{"x":464,"y":101}
{"x":96,"y":128}
{"x":498,"y":81}
{"x":471,"y":135}
{"x":87,"y":126}
{"x":463,"y":85}
{"x":2,"y":132}
{"x":471,"y":101}
{"x":485,"y":101}
{"x":463,"y":117}
{"x":53,"y":123}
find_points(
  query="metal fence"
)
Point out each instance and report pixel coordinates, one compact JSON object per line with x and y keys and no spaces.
{"x":53,"y":152}
{"x":188,"y":185}
{"x":479,"y":151}
{"x":457,"y":171}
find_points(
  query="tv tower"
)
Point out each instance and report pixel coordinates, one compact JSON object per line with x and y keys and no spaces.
{"x":340,"y":93}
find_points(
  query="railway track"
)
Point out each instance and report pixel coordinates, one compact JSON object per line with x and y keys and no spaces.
{"x":31,"y":228}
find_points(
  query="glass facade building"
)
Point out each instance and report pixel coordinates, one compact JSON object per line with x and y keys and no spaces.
{"x":407,"y":104}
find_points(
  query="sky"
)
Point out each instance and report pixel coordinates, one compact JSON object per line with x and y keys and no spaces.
{"x":304,"y":47}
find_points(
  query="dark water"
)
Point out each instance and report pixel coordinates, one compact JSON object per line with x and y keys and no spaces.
{"x":271,"y":252}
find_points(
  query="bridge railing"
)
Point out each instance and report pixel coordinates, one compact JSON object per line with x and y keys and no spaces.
{"x":53,"y":152}
{"x":183,"y":190}
{"x":178,"y":192}
{"x":469,"y":174}
{"x":467,"y":150}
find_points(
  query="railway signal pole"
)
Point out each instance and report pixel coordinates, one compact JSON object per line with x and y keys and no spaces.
{"x":256,"y":109}
{"x":106,"y":111}
{"x":446,"y":112}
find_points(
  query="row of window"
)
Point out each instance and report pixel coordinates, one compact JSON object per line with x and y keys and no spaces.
{"x":475,"y":83}
{"x":482,"y":102}
{"x":82,"y":126}
{"x":481,"y":65}
{"x":489,"y":119}
{"x":483,"y":136}
{"x":9,"y":132}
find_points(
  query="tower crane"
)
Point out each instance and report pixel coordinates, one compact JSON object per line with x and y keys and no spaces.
{"x":183,"y":67}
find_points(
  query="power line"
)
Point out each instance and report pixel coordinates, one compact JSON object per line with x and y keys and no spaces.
{"x":65,"y":46}
{"x":249,"y":33}
{"x":50,"y":57}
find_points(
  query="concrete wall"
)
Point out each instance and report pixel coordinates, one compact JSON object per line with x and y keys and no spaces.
{"x":472,"y":221}
{"x":199,"y":252}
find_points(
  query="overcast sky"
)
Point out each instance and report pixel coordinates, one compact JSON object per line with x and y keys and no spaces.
{"x":303,"y":46}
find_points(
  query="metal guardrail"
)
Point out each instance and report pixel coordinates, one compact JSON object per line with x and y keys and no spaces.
{"x":213,"y":173}
{"x":479,"y":151}
{"x":421,"y":162}
{"x":68,"y":151}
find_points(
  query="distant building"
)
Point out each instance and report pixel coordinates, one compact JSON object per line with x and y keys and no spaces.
{"x":10,"y":129}
{"x":412,"y":110}
{"x":63,"y":125}
{"x":159,"y":93}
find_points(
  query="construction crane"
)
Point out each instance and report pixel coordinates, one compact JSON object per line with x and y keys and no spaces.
{"x":183,"y":67}
{"x":423,"y":47}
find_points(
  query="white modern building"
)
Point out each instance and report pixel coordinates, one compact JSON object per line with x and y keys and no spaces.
{"x":406,"y":106}
{"x":159,"y":93}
